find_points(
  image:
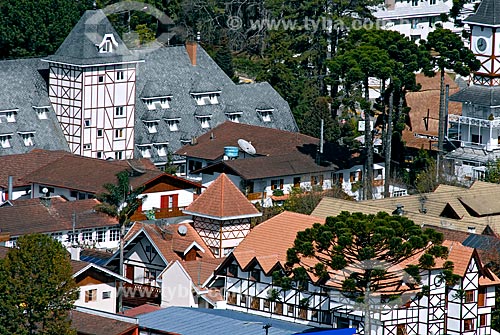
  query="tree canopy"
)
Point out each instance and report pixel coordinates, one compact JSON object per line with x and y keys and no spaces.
{"x":354,"y":240}
{"x":37,"y":289}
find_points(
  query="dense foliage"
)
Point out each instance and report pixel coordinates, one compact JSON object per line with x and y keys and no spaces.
{"x":37,"y":289}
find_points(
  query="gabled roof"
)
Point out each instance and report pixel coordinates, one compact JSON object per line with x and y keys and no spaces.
{"x":91,"y":322}
{"x":222,"y":200}
{"x":478,"y":95}
{"x":487,"y":14}
{"x":257,"y":246}
{"x":21,"y":165}
{"x":168,"y":242}
{"x":198,"y":271}
{"x":33,"y":216}
{"x":81,"y":45}
{"x":79,"y":173}
{"x":81,"y":267}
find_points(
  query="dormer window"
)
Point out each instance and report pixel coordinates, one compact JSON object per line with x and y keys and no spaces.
{"x":209,"y":98}
{"x":161,"y":149}
{"x":107,"y":44}
{"x":41,"y":113}
{"x":204,"y":121}
{"x":145,"y":150}
{"x":173,"y":124}
{"x":161,"y":102}
{"x":27,"y":138}
{"x":265,"y":114}
{"x":8,"y":116}
{"x":234,"y":116}
{"x":5,"y":140}
{"x":151,"y":125}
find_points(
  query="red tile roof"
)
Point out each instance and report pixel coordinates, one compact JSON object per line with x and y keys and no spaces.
{"x":269,"y":241}
{"x":32,"y":216}
{"x":90,"y":174}
{"x":170,"y":243}
{"x":19,"y":166}
{"x":201,"y":270}
{"x":91,"y":324}
{"x":222,"y":200}
{"x":267,"y":141}
{"x":142,"y":309}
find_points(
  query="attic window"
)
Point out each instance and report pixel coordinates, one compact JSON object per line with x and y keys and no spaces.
{"x":41,"y":113}
{"x":9,"y":116}
{"x":162,"y":102}
{"x":151,"y":125}
{"x":107,"y":44}
{"x":173,"y":124}
{"x":234,"y":117}
{"x":145,"y":150}
{"x":205,"y":121}
{"x":208,"y":98}
{"x":5,"y":141}
{"x":27,"y":138}
{"x":161,"y":149}
{"x":265,"y":114}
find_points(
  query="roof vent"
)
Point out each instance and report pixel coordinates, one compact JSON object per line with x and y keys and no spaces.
{"x":471,"y":230}
{"x":399,"y":210}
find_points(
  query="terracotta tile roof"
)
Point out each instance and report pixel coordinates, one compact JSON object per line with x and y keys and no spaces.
{"x":78,"y":265}
{"x":460,"y":256}
{"x":79,"y":173}
{"x":267,"y":141}
{"x":283,"y":228}
{"x":32,"y":216}
{"x":449,"y":234}
{"x":222,"y":200}
{"x":19,"y":166}
{"x":170,"y":243}
{"x":424,"y":113}
{"x":142,"y":309}
{"x":201,"y":270}
{"x":90,"y":324}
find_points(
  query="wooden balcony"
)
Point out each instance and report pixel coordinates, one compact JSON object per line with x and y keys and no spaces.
{"x":140,"y":294}
{"x":160,"y":213}
{"x":255,"y":196}
{"x":378,"y":182}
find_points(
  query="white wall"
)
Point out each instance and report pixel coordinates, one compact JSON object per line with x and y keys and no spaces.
{"x":106,"y":305}
{"x":176,"y":288}
{"x":153,"y":200}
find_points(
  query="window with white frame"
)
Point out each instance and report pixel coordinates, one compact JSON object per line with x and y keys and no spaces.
{"x":99,"y":154}
{"x":87,"y":146}
{"x":145,"y":150}
{"x":209,"y":98}
{"x":173,"y":124}
{"x":163,"y":102}
{"x":234,"y":117}
{"x":150,"y":104}
{"x":204,"y":121}
{"x":118,"y":155}
{"x":107,"y":44}
{"x":119,"y":133}
{"x":9,"y":116}
{"x":91,"y":295}
{"x":101,"y":235}
{"x":87,"y":123}
{"x":5,"y":141}
{"x":414,"y":2}
{"x":106,"y":295}
{"x":99,"y":132}
{"x":42,"y":113}
{"x":161,"y":149}
{"x":265,"y":114}
{"x":119,"y":111}
{"x":151,"y":125}
{"x":114,"y":235}
{"x":87,"y":235}
{"x":27,"y":138}
{"x":119,"y":75}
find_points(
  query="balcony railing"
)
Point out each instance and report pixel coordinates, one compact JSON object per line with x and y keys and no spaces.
{"x":160,"y":213}
{"x":255,"y":196}
{"x":473,"y":121}
{"x":140,"y":294}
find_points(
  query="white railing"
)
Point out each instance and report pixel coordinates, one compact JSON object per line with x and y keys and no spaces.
{"x":473,"y":121}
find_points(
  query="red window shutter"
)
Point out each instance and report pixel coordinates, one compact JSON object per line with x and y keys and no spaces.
{"x":164,"y":201}
{"x":175,"y":200}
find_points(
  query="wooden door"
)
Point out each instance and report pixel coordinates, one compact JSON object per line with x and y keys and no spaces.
{"x":129,"y":272}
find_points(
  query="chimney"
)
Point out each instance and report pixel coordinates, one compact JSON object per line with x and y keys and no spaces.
{"x":191,"y":48}
{"x":10,"y":188}
{"x":75,"y":253}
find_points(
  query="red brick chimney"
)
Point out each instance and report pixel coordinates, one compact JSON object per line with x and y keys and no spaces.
{"x":191,"y":50}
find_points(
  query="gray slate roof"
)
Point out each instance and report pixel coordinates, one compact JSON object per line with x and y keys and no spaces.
{"x":201,"y":321}
{"x":22,"y":86}
{"x":478,"y":95}
{"x":487,"y":13}
{"x":168,"y":72}
{"x":80,"y":46}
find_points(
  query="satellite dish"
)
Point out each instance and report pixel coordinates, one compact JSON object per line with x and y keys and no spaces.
{"x":182,"y":230}
{"x":45,"y":191}
{"x":134,"y":165}
{"x":246,"y":146}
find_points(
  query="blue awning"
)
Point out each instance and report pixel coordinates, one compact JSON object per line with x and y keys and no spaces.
{"x":344,"y":331}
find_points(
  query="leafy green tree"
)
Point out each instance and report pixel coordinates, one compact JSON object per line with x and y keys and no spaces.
{"x":120,"y":201}
{"x":448,"y":53}
{"x":304,"y":201}
{"x":37,"y":289}
{"x":37,"y":28}
{"x":224,"y":59}
{"x":492,"y":174}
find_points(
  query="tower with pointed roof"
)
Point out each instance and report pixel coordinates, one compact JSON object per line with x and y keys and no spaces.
{"x":92,"y":79}
{"x":477,"y":130}
{"x":222,"y":215}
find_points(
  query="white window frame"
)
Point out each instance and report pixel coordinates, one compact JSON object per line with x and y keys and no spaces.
{"x":5,"y":141}
{"x":234,"y":117}
{"x":152,"y":126}
{"x":27,"y":139}
{"x":120,"y":75}
{"x":119,"y":134}
{"x":145,"y":151}
{"x":87,"y":123}
{"x":119,"y":111}
{"x":204,"y":121}
{"x":161,"y":149}
{"x":87,"y":146}
{"x":265,"y":114}
{"x":118,"y":155}
{"x":42,"y":113}
{"x":10,"y":116}
{"x":173,"y":124}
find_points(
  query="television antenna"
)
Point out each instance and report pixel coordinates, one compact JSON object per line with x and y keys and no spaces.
{"x":246,"y":146}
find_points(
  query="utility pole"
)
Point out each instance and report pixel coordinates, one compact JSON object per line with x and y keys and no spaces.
{"x":388,"y":146}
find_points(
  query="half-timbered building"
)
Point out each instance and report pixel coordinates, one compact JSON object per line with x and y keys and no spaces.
{"x":222,"y":216}
{"x":462,"y":308}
